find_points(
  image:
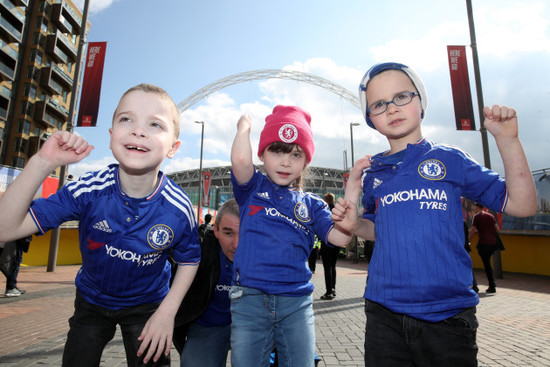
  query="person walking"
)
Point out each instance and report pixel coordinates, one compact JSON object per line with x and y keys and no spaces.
{"x":19,"y":246}
{"x":486,"y":226}
{"x":329,"y":256}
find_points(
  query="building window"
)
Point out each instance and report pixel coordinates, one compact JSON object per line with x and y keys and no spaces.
{"x":41,"y":41}
{"x":20,"y":145}
{"x":44,"y":25}
{"x":36,"y":56}
{"x":36,"y":75}
{"x":26,"y":108}
{"x":29,"y":91}
{"x":70,"y":67}
{"x":23,"y":146}
{"x":65,"y":94}
{"x":18,"y":162}
{"x":23,"y":126}
{"x":33,"y":73}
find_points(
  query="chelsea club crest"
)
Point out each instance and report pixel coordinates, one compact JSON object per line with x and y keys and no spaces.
{"x":301,"y":212}
{"x":160,"y":237}
{"x":432,"y":169}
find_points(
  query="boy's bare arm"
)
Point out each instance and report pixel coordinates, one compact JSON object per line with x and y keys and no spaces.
{"x":61,"y":148}
{"x":502,"y":123}
{"x":156,"y":336}
{"x":241,"y":152}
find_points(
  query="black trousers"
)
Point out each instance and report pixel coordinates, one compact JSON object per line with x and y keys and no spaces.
{"x":485,"y":252}
{"x":329,"y":256}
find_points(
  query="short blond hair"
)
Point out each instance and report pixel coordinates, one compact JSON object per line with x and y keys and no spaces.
{"x":151,"y":88}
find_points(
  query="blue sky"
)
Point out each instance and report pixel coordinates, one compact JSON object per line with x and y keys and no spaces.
{"x":183,"y":46}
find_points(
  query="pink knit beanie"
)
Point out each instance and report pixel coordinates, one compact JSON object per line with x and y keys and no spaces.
{"x":288,"y":124}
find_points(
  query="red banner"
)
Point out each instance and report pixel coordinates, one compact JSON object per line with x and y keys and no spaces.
{"x":91,"y":85}
{"x":206,"y":188}
{"x":49,"y":186}
{"x":460,"y":83}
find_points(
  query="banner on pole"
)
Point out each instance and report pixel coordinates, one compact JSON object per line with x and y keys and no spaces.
{"x":460,"y":84}
{"x":91,"y":85}
{"x":206,"y":188}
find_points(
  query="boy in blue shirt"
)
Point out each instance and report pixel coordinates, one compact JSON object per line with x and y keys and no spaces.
{"x":419,"y":300}
{"x":130,"y":216}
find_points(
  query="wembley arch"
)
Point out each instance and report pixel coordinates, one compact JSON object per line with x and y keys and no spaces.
{"x":269,"y":74}
{"x":319,"y":180}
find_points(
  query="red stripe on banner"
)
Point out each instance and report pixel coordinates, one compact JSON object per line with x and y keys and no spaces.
{"x":49,"y":186}
{"x":91,"y":85}
{"x":206,"y":188}
{"x":460,"y":83}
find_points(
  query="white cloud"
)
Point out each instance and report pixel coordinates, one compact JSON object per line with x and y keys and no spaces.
{"x":521,"y":27}
{"x":94,"y":6}
{"x":427,"y":52}
{"x":78,"y":169}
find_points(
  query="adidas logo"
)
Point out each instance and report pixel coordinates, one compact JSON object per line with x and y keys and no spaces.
{"x":103,"y":226}
{"x":264,"y":195}
{"x":377,"y":182}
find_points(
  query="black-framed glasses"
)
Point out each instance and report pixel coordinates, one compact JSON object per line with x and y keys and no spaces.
{"x":400,"y":99}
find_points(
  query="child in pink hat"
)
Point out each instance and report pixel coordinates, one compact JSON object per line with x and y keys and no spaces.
{"x":271,"y":302}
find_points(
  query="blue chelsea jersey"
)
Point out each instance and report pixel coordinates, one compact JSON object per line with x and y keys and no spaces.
{"x":419,"y":265}
{"x":124,"y":242}
{"x":218,"y":312}
{"x":276,"y":235}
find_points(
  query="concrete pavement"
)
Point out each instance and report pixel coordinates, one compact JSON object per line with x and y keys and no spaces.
{"x":514,"y":322}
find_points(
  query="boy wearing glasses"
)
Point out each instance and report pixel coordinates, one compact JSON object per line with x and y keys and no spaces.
{"x":419,"y":301}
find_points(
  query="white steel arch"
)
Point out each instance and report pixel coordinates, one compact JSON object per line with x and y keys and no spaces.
{"x":268,"y":74}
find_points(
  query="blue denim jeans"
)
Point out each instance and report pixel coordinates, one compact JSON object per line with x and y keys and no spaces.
{"x":92,"y":327}
{"x":398,"y":340}
{"x":262,"y":321}
{"x":206,"y":346}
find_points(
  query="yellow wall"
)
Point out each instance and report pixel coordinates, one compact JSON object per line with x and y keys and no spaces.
{"x":523,"y":254}
{"x":68,"y":251}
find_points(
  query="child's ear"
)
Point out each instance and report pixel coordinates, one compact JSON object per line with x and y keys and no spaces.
{"x":174,"y":149}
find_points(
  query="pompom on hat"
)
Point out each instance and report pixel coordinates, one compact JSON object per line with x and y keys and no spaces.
{"x":377,"y":69}
{"x":288,"y":124}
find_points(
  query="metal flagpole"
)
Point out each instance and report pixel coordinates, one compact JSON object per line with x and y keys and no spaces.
{"x":479,"y":91}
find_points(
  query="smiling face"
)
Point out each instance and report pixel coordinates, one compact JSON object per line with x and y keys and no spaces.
{"x":400,"y":124}
{"x":143,"y":132}
{"x":283,"y":168}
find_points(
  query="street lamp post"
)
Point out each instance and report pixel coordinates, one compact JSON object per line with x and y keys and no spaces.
{"x":200,"y":172}
{"x":351,"y":125}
